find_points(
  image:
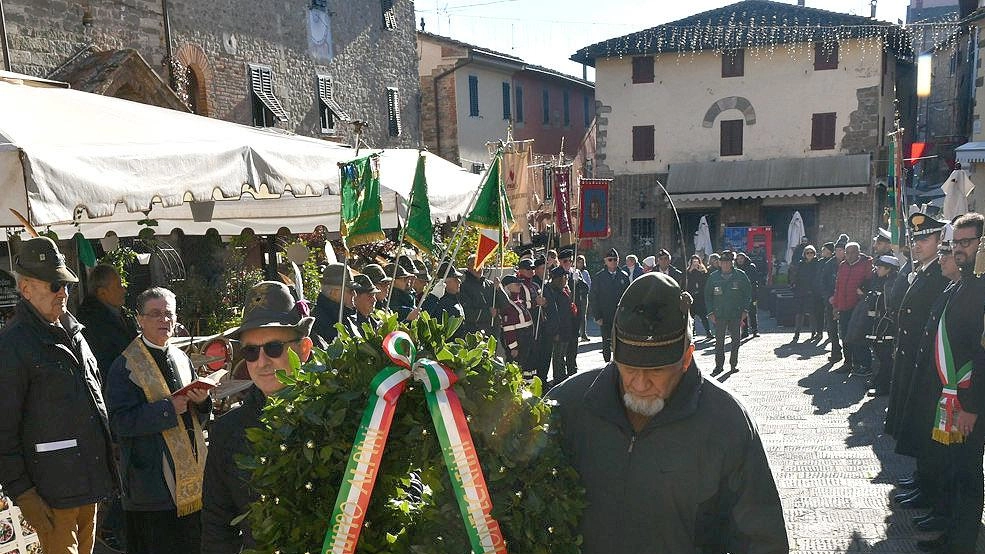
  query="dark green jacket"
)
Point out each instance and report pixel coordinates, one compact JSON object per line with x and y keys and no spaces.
{"x":694,"y":480}
{"x":728,"y":297}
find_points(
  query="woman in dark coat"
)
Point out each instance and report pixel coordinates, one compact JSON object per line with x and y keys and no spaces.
{"x":805,"y":294}
{"x":697,"y":276}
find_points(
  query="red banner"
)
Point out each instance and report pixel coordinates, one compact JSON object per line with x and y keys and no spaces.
{"x":594,"y":211}
{"x":562,"y":200}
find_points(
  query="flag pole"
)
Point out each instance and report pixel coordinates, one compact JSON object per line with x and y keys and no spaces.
{"x":400,"y":240}
{"x":457,"y":236}
{"x":345,"y":249}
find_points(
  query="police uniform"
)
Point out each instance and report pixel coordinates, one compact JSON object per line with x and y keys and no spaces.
{"x":883,"y":330}
{"x":607,"y":289}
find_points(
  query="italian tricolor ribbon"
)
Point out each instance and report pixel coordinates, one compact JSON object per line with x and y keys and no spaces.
{"x":457,"y":449}
{"x":953,"y":378}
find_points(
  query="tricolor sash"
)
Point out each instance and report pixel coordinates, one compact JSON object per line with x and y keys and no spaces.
{"x":457,"y":448}
{"x":953,"y":378}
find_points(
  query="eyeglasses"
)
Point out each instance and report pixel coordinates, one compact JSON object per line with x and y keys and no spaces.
{"x":612,"y":259}
{"x":965,"y":243}
{"x":56,"y":286}
{"x":158,"y":314}
{"x":273,"y":349}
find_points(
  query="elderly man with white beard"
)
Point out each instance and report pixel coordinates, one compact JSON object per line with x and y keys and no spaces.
{"x":670,"y":461}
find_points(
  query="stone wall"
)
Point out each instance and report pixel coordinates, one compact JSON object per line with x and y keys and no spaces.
{"x":862,"y":131}
{"x":224,"y":36}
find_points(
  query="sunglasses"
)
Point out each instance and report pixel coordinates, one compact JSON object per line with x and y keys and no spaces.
{"x":612,"y":259}
{"x":56,"y":286}
{"x":273,"y":349}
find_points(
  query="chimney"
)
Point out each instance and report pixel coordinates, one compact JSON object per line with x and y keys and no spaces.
{"x":873,"y":3}
{"x":800,"y":3}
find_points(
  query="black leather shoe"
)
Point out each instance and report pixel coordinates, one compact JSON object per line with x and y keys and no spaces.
{"x":923,"y":517}
{"x":845,"y":368}
{"x":717,"y":370}
{"x":932,"y":545}
{"x":917,"y":501}
{"x":907,"y":482}
{"x":834,"y":358}
{"x":934,"y":524}
{"x":905,"y":495}
{"x":734,"y":369}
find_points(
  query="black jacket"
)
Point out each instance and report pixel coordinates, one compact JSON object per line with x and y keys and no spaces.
{"x":607,"y":289}
{"x":51,"y":401}
{"x":476,"y":297}
{"x":326,"y":314}
{"x":137,"y":425}
{"x":694,"y":479}
{"x":402,"y":302}
{"x":696,"y":281}
{"x":226,"y":493}
{"x":561,"y":322}
{"x":107,"y":332}
{"x":913,"y":313}
{"x":829,"y":277}
{"x":673,"y":272}
{"x":447,"y":304}
{"x":806,"y":278}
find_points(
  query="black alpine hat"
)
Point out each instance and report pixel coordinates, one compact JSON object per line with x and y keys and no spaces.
{"x":448,"y":271}
{"x":402,"y":272}
{"x":270,"y":304}
{"x":376,"y":274}
{"x":362,"y":284}
{"x":652,"y":322}
{"x":40,"y":259}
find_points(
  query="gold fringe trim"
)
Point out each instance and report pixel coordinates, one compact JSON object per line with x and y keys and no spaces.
{"x":945,"y":437}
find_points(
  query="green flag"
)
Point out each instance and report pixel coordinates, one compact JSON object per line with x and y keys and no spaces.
{"x":361,"y":204}
{"x":418,"y":230}
{"x":492,"y":209}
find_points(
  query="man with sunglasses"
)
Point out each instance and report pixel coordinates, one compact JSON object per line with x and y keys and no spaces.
{"x":272,"y":325}
{"x":160,"y":434}
{"x":55,"y":453}
{"x":607,"y":288}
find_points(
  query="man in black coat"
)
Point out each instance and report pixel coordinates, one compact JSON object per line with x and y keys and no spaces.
{"x":448,"y":304}
{"x":663,"y":266}
{"x":563,"y":324}
{"x":607,"y":288}
{"x":272,"y":325}
{"x":478,"y":298}
{"x":55,"y":446}
{"x":336,"y":288}
{"x":108,"y":326}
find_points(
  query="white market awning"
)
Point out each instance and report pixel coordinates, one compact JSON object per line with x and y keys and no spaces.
{"x":83,"y":162}
{"x":970,"y":152}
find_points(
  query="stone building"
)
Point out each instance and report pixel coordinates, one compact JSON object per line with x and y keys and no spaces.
{"x":748,"y":113}
{"x":305,"y":66}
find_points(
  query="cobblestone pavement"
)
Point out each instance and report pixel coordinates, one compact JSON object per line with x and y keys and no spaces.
{"x":833,"y":465}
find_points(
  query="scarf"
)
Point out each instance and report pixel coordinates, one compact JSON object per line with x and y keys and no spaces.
{"x":185,"y":482}
{"x":952,"y":378}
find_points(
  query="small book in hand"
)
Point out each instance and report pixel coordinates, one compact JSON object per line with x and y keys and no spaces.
{"x":206,"y":383}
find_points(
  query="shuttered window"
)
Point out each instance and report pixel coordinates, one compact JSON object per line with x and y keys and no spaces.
{"x":566,"y":106}
{"x":507,"y":112}
{"x":732,"y":137}
{"x":643,"y":69}
{"x":642,"y":143}
{"x":547,"y":106}
{"x":588,"y":109}
{"x":519,"y":104}
{"x":823,"y":131}
{"x":473,"y":96}
{"x":393,"y":111}
{"x":389,"y":17}
{"x":329,"y":111}
{"x":825,"y":55}
{"x":267,"y":109}
{"x":734,"y":63}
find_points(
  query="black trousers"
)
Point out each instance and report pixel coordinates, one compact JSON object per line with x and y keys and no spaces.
{"x":882,"y":353}
{"x":163,"y":532}
{"x":606,"y":339}
{"x":831,"y":324}
{"x":565,"y":353}
{"x":540,"y":358}
{"x":965,"y":482}
{"x":730,"y":326}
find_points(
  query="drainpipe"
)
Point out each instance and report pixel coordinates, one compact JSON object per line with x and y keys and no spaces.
{"x":165,"y":13}
{"x":3,"y":39}
{"x":437,"y":119}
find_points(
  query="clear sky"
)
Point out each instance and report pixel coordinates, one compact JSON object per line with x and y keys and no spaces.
{"x":548,"y":32}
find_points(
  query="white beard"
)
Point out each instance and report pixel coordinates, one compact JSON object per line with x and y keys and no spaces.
{"x":648,"y":408}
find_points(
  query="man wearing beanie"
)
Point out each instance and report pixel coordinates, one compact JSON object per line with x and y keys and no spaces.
{"x":670,"y":462}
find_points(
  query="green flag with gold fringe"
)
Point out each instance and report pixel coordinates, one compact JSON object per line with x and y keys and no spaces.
{"x":361,"y":204}
{"x":419,"y":229}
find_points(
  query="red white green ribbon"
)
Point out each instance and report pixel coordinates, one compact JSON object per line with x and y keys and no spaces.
{"x":953,"y":378}
{"x":457,"y":448}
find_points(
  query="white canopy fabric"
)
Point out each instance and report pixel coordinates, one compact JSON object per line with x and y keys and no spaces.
{"x":795,"y":231}
{"x":956,"y":190}
{"x":71,"y":157}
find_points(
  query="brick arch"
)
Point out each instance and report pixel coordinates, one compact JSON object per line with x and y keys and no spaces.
{"x":730,"y":103}
{"x":193,"y":57}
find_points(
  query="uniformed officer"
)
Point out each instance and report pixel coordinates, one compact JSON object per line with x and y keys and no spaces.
{"x":334,"y":279}
{"x":607,"y":288}
{"x":728,"y":294}
{"x":884,"y":323}
{"x":517,"y":325}
{"x":402,"y":300}
{"x":365,"y":304}
{"x":562,"y":324}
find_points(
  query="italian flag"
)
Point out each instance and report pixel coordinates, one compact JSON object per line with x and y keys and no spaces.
{"x":491,"y":214}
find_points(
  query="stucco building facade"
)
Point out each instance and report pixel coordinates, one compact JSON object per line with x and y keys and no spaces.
{"x":746,"y":129}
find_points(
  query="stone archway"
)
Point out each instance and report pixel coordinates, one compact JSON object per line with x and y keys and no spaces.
{"x":730,"y":103}
{"x":198,"y":78}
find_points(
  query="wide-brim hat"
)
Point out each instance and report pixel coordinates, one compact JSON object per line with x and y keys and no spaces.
{"x":402,"y":273}
{"x":361,"y":283}
{"x":336,"y":275}
{"x":376,"y":274}
{"x":651,"y":322}
{"x":40,"y":259}
{"x":271,"y":305}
